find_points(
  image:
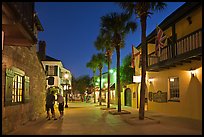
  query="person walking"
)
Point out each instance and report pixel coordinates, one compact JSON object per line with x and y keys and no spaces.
{"x":50,"y":101}
{"x":60,"y":101}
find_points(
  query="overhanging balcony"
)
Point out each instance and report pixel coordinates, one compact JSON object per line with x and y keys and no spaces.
{"x":18,"y":23}
{"x":185,"y":50}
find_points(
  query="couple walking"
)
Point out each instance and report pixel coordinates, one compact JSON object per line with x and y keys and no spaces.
{"x":50,"y":101}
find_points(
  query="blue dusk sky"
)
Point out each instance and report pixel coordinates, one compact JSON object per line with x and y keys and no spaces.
{"x":70,"y":29}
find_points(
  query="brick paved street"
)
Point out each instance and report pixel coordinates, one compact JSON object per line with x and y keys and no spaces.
{"x":90,"y":119}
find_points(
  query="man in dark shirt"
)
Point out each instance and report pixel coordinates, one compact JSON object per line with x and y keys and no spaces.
{"x":50,"y":101}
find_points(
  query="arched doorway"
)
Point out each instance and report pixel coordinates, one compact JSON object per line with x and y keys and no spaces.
{"x":128,"y":97}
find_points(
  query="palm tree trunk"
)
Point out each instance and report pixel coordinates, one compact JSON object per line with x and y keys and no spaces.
{"x":144,"y":53}
{"x":94,"y":87}
{"x":94,"y":95}
{"x":100,"y":88}
{"x":108,"y":102}
{"x":118,"y":77}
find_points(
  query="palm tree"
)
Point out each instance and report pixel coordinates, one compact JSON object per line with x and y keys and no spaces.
{"x":99,"y":59}
{"x":93,"y":66}
{"x":142,"y":10}
{"x":127,"y":72}
{"x":117,"y":26}
{"x":104,"y":43}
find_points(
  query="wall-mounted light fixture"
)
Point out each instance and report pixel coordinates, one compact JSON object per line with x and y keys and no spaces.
{"x":193,"y":72}
{"x":151,"y":80}
{"x":189,"y":20}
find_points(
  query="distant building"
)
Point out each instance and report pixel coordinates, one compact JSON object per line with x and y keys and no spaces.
{"x":174,"y":75}
{"x":54,"y":68}
{"x":104,"y":86}
{"x":23,"y":77}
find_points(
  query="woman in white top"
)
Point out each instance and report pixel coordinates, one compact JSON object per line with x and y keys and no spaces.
{"x":60,"y":100}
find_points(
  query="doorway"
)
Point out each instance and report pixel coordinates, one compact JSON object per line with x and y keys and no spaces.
{"x":128,"y":97}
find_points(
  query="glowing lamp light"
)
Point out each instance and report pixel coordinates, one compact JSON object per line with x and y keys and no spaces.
{"x":65,"y":87}
{"x":98,"y":80}
{"x":193,"y":72}
{"x":137,"y":79}
{"x":66,"y":76}
{"x":151,"y":80}
{"x":111,"y":71}
{"x":172,"y":79}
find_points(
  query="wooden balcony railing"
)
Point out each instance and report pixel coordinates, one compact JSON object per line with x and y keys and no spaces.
{"x":189,"y":42}
{"x":183,"y":45}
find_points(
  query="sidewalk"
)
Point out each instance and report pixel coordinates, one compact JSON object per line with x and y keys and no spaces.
{"x":161,"y":119}
{"x":183,"y":125}
{"x":89,"y":119}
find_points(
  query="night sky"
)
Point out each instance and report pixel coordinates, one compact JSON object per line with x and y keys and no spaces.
{"x":70,"y":29}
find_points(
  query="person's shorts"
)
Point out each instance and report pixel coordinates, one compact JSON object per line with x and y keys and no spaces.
{"x":50,"y":106}
{"x":61,"y":107}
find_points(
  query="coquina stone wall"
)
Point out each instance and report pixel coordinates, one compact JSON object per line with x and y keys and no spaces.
{"x":25,"y":59}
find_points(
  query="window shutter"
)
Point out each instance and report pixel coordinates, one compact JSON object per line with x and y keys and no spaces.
{"x":26,"y":89}
{"x":9,"y":87}
{"x":56,"y":70}
{"x":46,"y":69}
{"x":60,"y":73}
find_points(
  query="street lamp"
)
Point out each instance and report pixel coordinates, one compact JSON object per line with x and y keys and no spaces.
{"x":69,"y":91}
{"x":66,"y":76}
{"x":67,"y":88}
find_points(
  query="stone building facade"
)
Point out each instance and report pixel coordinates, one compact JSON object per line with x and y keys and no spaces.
{"x":26,"y":60}
{"x":23,"y":77}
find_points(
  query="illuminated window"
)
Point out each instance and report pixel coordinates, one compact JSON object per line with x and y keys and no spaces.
{"x":17,"y":89}
{"x":174,"y":89}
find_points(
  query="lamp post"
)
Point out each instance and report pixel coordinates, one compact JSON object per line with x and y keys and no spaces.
{"x":66,"y":88}
{"x":66,"y":98}
{"x":69,"y":90}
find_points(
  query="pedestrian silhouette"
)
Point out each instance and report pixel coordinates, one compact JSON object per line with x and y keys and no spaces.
{"x":60,"y":101}
{"x":50,"y":101}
